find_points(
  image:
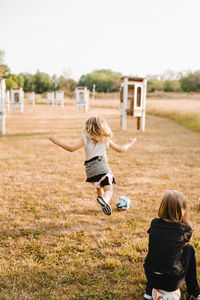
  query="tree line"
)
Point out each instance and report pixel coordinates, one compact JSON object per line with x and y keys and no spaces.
{"x":105,"y":81}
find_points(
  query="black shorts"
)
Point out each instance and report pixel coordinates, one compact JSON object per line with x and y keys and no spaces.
{"x":104,"y":182}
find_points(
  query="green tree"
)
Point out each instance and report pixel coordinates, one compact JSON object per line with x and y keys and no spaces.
{"x":155,"y":85}
{"x":172,"y":86}
{"x":11,"y":82}
{"x":42,"y":82}
{"x":190,"y":82}
{"x":20,"y":80}
{"x":4,"y":70}
{"x":68,"y":85}
{"x":29,"y":85}
{"x":55,"y":82}
{"x":105,"y":80}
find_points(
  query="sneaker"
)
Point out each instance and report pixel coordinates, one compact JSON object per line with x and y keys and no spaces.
{"x":147,"y":297}
{"x":190,"y":297}
{"x":161,"y":294}
{"x":104,"y":206}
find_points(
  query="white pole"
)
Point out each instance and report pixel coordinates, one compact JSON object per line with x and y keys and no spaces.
{"x":8,"y":99}
{"x":124,"y":107}
{"x":3,"y":131}
{"x":144,"y":104}
{"x":2,"y":111}
{"x":21,"y":97}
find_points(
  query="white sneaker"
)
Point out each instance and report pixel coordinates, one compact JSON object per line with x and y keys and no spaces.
{"x":147,"y":297}
{"x":161,"y":294}
{"x":104,"y":206}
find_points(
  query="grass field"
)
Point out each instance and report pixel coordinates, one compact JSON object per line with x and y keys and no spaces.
{"x":55,"y":243}
{"x":185,"y":111}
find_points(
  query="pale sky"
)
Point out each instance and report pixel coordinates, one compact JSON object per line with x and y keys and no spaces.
{"x":128,"y":36}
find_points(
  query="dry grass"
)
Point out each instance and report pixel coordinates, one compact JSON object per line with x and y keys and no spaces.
{"x":184,"y":111}
{"x":55,"y":243}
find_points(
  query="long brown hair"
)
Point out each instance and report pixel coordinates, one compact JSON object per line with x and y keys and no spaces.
{"x":97,"y":129}
{"x":173,"y":207}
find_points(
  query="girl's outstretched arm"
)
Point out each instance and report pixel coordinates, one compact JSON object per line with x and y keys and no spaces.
{"x":122,"y":148}
{"x":71,"y":148}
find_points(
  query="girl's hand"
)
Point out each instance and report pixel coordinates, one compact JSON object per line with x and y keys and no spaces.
{"x":52,"y":139}
{"x":132,"y":140}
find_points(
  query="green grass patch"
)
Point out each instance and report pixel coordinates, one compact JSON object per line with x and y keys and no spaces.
{"x":190,"y":121}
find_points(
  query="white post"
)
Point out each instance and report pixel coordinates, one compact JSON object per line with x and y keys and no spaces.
{"x":7,"y":99}
{"x":50,"y":98}
{"x":124,"y":107}
{"x":77,"y":96}
{"x":144,"y":104}
{"x":60,"y":98}
{"x":87,"y":95}
{"x":22,"y":101}
{"x":31,"y":98}
{"x":82,"y":98}
{"x":17,"y":95}
{"x":2,"y":104}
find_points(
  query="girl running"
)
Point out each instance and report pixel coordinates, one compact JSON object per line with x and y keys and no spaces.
{"x":96,"y":139}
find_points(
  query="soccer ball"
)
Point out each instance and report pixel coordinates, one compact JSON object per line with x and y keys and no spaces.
{"x":123,"y":203}
{"x":163,"y":295}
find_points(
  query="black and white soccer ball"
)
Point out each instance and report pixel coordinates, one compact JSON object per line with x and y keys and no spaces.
{"x":123,"y":203}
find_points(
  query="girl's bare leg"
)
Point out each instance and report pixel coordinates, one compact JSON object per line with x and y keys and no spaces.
{"x":108,"y":192}
{"x":100,"y":192}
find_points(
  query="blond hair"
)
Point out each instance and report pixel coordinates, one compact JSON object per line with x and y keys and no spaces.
{"x":173,"y":207}
{"x":97,"y":129}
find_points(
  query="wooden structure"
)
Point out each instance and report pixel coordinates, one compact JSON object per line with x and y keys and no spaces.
{"x":17,"y":96}
{"x":82,"y":98}
{"x":133,"y":100}
{"x":50,"y":98}
{"x":31,"y":97}
{"x":60,"y":98}
{"x":2,"y":105}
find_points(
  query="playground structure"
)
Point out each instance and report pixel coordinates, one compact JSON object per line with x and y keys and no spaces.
{"x":2,"y":105}
{"x":133,"y":100}
{"x":50,"y":98}
{"x":31,"y":98}
{"x":60,"y":98}
{"x":17,"y":96}
{"x":82,"y":98}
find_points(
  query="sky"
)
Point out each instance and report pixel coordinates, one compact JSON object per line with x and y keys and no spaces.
{"x":76,"y":37}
